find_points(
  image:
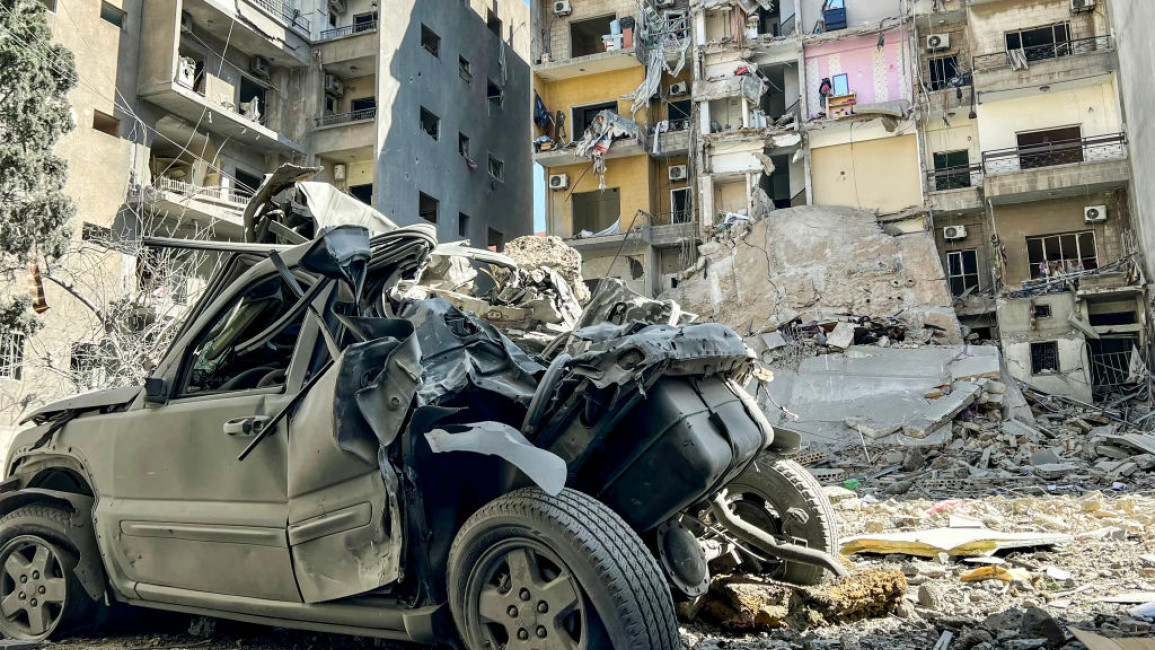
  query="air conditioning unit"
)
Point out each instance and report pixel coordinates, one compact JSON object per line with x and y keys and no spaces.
{"x":259,"y":66}
{"x":937,"y":42}
{"x":1095,"y":214}
{"x":337,"y":6}
{"x":334,"y":87}
{"x":339,"y":172}
{"x":951,"y":233}
{"x":1079,"y":6}
{"x":679,"y":172}
{"x":562,"y":8}
{"x":186,"y":22}
{"x":186,"y":72}
{"x":558,"y":181}
{"x":679,"y":89}
{"x":665,"y":4}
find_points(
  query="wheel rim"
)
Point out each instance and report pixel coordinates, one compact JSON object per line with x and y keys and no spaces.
{"x":522,"y":596}
{"x":33,"y":588}
{"x":758,"y":511}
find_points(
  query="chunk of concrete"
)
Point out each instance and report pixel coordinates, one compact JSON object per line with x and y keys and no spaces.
{"x":842,"y":337}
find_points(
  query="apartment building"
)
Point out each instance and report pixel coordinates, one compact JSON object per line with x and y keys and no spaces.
{"x":183,"y":106}
{"x":998,"y":123}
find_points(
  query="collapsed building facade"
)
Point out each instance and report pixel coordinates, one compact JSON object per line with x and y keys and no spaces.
{"x":994,"y":126}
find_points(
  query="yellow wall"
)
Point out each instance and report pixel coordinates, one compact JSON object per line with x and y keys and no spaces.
{"x":358,"y":88}
{"x":631,"y":175}
{"x":882,"y":174}
{"x":1095,"y":108}
{"x":564,"y":94}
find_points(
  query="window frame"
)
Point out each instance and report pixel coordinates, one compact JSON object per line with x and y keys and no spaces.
{"x":427,"y":33}
{"x":1036,"y":272}
{"x":465,"y":69}
{"x":435,"y":120}
{"x":500,"y":175}
{"x":12,"y":344}
{"x":1037,"y":368}
{"x":950,"y":275}
{"x":421,"y":196}
{"x":939,"y":81}
{"x":121,"y":15}
{"x":834,"y":85}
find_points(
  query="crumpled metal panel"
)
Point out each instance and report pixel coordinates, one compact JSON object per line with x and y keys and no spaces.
{"x":459,"y":350}
{"x":542,"y":467}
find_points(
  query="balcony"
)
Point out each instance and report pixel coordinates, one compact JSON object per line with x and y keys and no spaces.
{"x":262,"y":27}
{"x":674,"y":144}
{"x":1044,"y":65}
{"x":623,"y":148}
{"x":597,"y":50}
{"x":367,"y":27}
{"x":220,"y":208}
{"x":1056,"y":169}
{"x":278,"y":9}
{"x":946,"y":101}
{"x":347,"y":118}
{"x":955,"y":190}
{"x":671,"y":229}
{"x":345,"y":131}
{"x":220,"y":119}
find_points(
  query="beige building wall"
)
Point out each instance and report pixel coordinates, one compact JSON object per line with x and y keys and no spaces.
{"x":1094,"y":107}
{"x":882,"y":174}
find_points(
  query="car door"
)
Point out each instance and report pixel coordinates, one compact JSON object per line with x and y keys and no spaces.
{"x":184,"y":520}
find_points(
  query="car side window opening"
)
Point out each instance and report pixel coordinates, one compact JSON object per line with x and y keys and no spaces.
{"x":225,"y":359}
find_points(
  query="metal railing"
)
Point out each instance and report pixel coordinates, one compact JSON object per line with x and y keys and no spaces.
{"x":1021,"y":58}
{"x":954,"y":178}
{"x":787,"y":27}
{"x":289,"y":14}
{"x":676,"y":218}
{"x":1092,"y":149}
{"x":347,"y":118}
{"x":1110,"y":369}
{"x":348,"y":30}
{"x":224,"y":194}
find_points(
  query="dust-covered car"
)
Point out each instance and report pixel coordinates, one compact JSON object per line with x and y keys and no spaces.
{"x":319,"y":451}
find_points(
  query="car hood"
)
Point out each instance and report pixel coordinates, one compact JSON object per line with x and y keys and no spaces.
{"x":91,"y":401}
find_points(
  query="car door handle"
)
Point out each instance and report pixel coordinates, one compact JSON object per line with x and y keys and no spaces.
{"x":246,"y":427}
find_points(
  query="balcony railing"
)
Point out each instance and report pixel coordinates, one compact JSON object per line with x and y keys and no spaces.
{"x":348,"y":30}
{"x":347,"y":118}
{"x":1092,"y":149}
{"x":787,"y":27}
{"x":240,"y":198}
{"x":290,"y":15}
{"x":672,"y":218}
{"x":954,"y":178}
{"x":1022,"y":58}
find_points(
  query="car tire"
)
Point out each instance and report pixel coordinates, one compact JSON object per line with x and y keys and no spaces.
{"x":529,"y":566}
{"x":40,"y":595}
{"x":780,"y":497}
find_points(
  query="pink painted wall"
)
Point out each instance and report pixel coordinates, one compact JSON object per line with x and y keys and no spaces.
{"x":874,"y":76}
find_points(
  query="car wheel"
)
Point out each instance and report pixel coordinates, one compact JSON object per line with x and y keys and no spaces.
{"x":529,"y":570}
{"x":780,"y":497}
{"x":40,"y":596}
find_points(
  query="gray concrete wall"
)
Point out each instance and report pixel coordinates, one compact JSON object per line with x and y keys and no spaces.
{"x":409,"y":78}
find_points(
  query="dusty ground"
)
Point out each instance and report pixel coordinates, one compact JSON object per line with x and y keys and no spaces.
{"x":1113,"y":530}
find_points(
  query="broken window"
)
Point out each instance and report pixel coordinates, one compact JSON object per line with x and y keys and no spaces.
{"x":94,"y":233}
{"x":11,"y":355}
{"x":496,"y":168}
{"x":430,"y":41}
{"x":680,"y":205}
{"x":962,"y":271}
{"x":1042,"y":311}
{"x":584,"y":116}
{"x":1051,"y":255}
{"x":253,"y":100}
{"x":247,"y":183}
{"x":430,"y":124}
{"x":465,"y":69}
{"x":427,"y":207}
{"x":942,"y":70}
{"x":586,"y":35}
{"x":1050,"y":147}
{"x":462,"y":224}
{"x":494,"y":239}
{"x":363,"y":106}
{"x":1044,"y":357}
{"x":679,"y":114}
{"x":597,"y":210}
{"x":364,"y":22}
{"x":951,"y":170}
{"x":232,"y":354}
{"x":1041,"y":43}
{"x":493,"y":23}
{"x":363,"y":193}
{"x":112,"y":14}
{"x":495,"y":95}
{"x":463,"y":145}
{"x":105,"y":123}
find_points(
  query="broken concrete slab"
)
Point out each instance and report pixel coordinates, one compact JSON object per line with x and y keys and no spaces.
{"x":842,"y":337}
{"x":953,"y":541}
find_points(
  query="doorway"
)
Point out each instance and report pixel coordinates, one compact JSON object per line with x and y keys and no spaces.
{"x":596,"y":211}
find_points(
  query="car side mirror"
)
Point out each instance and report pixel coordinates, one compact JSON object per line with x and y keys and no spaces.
{"x":155,"y":390}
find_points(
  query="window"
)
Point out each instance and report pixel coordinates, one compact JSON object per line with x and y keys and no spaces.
{"x":105,"y":123}
{"x":463,"y":145}
{"x":585,"y":36}
{"x":494,"y":239}
{"x":493,"y":23}
{"x":247,"y":182}
{"x":93,"y":232}
{"x":11,"y":355}
{"x":1051,"y":255}
{"x":584,"y":116}
{"x":962,"y":271}
{"x":363,"y":193}
{"x":112,"y":14}
{"x":50,"y":5}
{"x":1050,"y":147}
{"x":680,"y":205}
{"x":1044,"y":357}
{"x":495,"y":94}
{"x":253,"y":100}
{"x":330,"y":105}
{"x":835,"y":4}
{"x":363,"y":105}
{"x":841,"y":85}
{"x":430,"y":124}
{"x":462,"y":224}
{"x":230,"y":356}
{"x":679,"y":114}
{"x":1042,"y":311}
{"x":364,"y":22}
{"x":596,"y":210}
{"x":942,"y":70}
{"x":496,"y":168}
{"x":430,"y":41}
{"x":332,"y":19}
{"x":427,"y":207}
{"x":1041,"y":43}
{"x":952,"y":170}
{"x":465,"y":69}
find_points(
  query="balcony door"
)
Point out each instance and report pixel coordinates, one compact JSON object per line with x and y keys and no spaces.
{"x":1050,"y":147}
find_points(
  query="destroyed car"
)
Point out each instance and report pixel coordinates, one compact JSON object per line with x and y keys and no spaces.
{"x":318,"y":451}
